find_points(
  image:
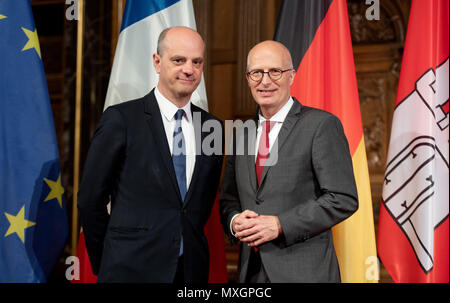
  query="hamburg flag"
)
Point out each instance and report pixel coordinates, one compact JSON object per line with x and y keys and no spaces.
{"x":133,"y":76}
{"x":413,"y":227}
{"x":318,"y":35}
{"x":33,"y":219}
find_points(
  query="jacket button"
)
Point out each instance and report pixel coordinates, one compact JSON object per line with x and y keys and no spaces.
{"x":184,"y":211}
{"x":259,"y":201}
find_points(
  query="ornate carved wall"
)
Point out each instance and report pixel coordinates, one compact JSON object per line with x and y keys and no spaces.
{"x":378,"y":48}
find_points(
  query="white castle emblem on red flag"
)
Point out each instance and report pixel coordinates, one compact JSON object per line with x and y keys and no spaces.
{"x":416,"y":192}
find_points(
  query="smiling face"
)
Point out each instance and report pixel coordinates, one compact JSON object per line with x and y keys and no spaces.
{"x":270,"y":94}
{"x":179,"y":64}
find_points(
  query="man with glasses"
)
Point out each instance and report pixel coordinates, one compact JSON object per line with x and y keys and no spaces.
{"x":294,"y":182}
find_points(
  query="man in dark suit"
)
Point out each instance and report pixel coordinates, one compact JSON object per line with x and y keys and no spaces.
{"x":146,"y":158}
{"x":293,"y":182}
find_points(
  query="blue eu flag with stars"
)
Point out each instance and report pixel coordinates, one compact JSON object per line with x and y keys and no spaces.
{"x":33,"y":218}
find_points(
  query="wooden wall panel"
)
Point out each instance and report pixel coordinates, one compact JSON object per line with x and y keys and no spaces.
{"x":223,"y":96}
{"x":224,"y":24}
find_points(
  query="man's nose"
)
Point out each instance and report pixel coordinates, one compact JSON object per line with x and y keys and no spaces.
{"x":266,"y":78}
{"x":188,"y":68}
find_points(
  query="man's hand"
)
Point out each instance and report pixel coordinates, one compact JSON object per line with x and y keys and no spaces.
{"x":240,"y":222}
{"x":255,"y":230}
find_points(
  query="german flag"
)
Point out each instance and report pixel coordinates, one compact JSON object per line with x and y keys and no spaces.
{"x":317,"y":33}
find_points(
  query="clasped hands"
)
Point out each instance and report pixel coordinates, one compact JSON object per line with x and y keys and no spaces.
{"x":254,"y":229}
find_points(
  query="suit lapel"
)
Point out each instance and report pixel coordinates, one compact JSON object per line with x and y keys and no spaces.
{"x":157,"y":129}
{"x":288,"y":125}
{"x":250,"y":141}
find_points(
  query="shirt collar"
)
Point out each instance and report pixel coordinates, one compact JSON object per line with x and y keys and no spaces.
{"x":168,"y":109}
{"x":280,"y":116}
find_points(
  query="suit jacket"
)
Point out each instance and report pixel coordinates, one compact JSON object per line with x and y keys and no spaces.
{"x":129,"y":162}
{"x":310,"y":187}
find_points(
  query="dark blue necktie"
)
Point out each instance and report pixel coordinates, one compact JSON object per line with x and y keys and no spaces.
{"x":179,"y":160}
{"x":179,"y":154}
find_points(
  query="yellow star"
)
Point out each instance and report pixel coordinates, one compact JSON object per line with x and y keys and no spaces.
{"x":56,"y":190}
{"x":2,"y":16}
{"x":18,"y":223}
{"x":33,"y":41}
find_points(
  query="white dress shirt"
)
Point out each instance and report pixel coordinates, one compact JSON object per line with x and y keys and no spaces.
{"x":279,"y":118}
{"x":168,"y":110}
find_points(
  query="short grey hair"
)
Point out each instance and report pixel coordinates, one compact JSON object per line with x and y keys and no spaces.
{"x":162,"y":36}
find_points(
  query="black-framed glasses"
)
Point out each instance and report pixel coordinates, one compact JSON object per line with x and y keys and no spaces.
{"x":274,"y":74}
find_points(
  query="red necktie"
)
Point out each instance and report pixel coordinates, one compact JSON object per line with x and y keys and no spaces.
{"x":263,"y":149}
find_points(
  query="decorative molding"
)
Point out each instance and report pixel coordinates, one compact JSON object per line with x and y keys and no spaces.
{"x":363,"y":30}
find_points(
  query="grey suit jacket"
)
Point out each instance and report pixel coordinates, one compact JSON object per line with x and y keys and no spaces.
{"x":310,"y":186}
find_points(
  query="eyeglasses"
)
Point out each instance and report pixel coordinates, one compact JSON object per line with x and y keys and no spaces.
{"x":274,"y":74}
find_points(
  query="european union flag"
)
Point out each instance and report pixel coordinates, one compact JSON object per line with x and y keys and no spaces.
{"x":33,"y":219}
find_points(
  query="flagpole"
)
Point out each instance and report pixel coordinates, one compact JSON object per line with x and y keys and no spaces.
{"x":77,"y":135}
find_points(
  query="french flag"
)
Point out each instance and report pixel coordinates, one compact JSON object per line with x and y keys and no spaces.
{"x":133,"y":75}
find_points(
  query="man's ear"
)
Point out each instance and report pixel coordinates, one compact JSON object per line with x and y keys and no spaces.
{"x":156,"y":62}
{"x":248,"y":79}
{"x":292,"y":76}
